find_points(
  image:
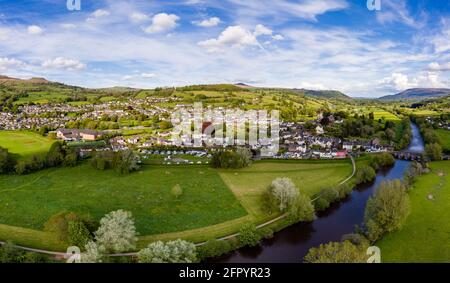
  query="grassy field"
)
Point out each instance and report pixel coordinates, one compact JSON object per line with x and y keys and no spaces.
{"x":310,"y":177}
{"x":24,"y":143}
{"x":444,"y":136}
{"x":207,"y":208}
{"x":205,"y":201}
{"x":425,"y":236}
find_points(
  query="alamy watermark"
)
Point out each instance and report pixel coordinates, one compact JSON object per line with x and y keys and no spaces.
{"x":374,"y":5}
{"x":73,"y":5}
{"x":198,"y":127}
{"x":374,"y":254}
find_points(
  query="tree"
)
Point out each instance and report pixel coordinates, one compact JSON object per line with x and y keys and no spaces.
{"x":302,"y":209}
{"x":78,"y":234}
{"x":55,"y":155}
{"x":6,"y":161}
{"x":93,"y":253}
{"x":232,"y":159}
{"x":59,"y":224}
{"x":117,"y":232}
{"x":281,"y":194}
{"x":249,"y":236}
{"x":70,"y":160}
{"x":365,"y":174}
{"x":128,"y":162}
{"x":433,"y":151}
{"x":213,"y":248}
{"x":177,"y":251}
{"x":386,"y":210}
{"x":176,"y":191}
{"x":337,"y":252}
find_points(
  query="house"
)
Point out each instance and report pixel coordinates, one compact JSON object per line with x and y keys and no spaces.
{"x":75,"y":134}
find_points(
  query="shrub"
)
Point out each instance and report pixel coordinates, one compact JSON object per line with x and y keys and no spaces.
{"x":337,"y":252}
{"x":176,"y":191}
{"x":433,"y":151}
{"x":321,"y":204}
{"x":344,"y":190}
{"x":365,"y":174}
{"x":178,"y":251}
{"x":78,"y":234}
{"x":59,"y":224}
{"x":302,"y":209}
{"x":228,"y":159}
{"x":249,"y":236}
{"x":386,"y":210}
{"x":266,"y":233}
{"x":381,"y":160}
{"x":213,"y":248}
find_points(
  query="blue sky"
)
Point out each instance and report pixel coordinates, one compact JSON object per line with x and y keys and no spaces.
{"x":315,"y":44}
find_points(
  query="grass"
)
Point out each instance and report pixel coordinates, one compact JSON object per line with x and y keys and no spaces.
{"x":425,"y":236}
{"x":207,"y":209}
{"x":205,"y":201}
{"x":23,"y":143}
{"x":311,"y":177}
{"x":444,"y":136}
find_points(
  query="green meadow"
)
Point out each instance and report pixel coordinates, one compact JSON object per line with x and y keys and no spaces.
{"x":444,"y":136}
{"x":214,"y":202}
{"x":23,"y":143}
{"x":425,"y":237}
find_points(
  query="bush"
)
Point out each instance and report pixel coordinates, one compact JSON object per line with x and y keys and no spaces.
{"x":433,"y":151}
{"x":337,"y":252}
{"x":176,"y":191}
{"x":386,"y":210}
{"x":178,"y":251}
{"x":77,"y":234}
{"x":266,"y":233}
{"x":365,"y":174}
{"x":302,"y":210}
{"x":321,"y":204}
{"x":213,"y":248}
{"x":7,"y":162}
{"x":249,"y":236}
{"x":59,"y":224}
{"x":381,"y":160}
{"x":344,"y":190}
{"x":228,"y":159}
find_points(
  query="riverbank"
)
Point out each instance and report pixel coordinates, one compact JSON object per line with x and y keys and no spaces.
{"x":425,"y":236}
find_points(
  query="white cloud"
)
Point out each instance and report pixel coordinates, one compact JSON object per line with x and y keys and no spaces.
{"x":278,"y":37}
{"x":211,"y":22}
{"x":162,"y":22}
{"x":10,"y":63}
{"x":4,"y":33}
{"x":262,"y":30}
{"x":148,"y":75}
{"x":34,"y":30}
{"x":435,"y":66}
{"x":232,"y":36}
{"x":396,"y":11}
{"x":399,"y":82}
{"x":313,"y":86}
{"x":100,"y":13}
{"x":306,"y":9}
{"x":63,"y":63}
{"x":68,"y":26}
{"x":138,"y":17}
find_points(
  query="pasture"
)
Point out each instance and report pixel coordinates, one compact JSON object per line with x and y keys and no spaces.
{"x":24,"y":144}
{"x":425,"y":235}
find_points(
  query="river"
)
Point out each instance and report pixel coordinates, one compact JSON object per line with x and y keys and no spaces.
{"x":291,"y":244}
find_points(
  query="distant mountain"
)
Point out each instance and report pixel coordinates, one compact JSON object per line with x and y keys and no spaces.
{"x":417,"y":94}
{"x":325,"y":94}
{"x":242,"y":85}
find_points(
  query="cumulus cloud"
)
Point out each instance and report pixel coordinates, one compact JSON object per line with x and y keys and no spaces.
{"x":232,"y":36}
{"x":63,"y":63}
{"x":211,"y":22}
{"x":100,"y":13}
{"x":400,"y":81}
{"x":10,"y":63}
{"x":278,"y":37}
{"x":34,"y":30}
{"x":138,"y":17}
{"x":141,"y":76}
{"x":262,"y":30}
{"x":162,"y":22}
{"x":435,"y":66}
